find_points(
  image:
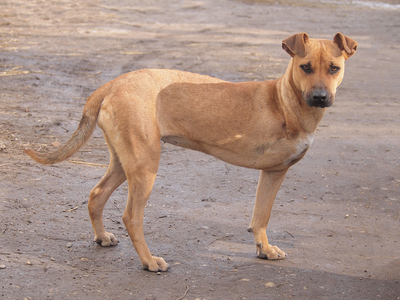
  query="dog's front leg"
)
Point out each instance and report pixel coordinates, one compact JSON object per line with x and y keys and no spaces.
{"x":268,"y":186}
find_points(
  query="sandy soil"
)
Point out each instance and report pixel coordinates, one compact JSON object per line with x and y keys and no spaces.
{"x":336,"y":215}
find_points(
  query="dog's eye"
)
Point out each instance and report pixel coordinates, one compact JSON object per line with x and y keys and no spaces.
{"x":306,"y":68}
{"x":334,"y":69}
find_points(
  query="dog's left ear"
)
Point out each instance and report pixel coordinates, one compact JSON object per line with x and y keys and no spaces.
{"x":346,"y":44}
{"x":294,"y":45}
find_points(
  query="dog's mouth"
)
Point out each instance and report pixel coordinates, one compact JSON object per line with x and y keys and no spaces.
{"x":319,"y":98}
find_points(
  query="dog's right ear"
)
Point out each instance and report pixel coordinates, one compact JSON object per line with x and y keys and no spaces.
{"x":347,"y":45}
{"x":294,"y":45}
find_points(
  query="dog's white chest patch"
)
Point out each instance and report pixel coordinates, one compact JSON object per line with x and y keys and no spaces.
{"x":302,"y":147}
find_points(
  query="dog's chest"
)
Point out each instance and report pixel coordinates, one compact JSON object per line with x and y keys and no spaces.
{"x":301,"y":148}
{"x":279,"y":154}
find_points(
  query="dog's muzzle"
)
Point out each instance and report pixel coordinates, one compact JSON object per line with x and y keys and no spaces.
{"x":319,"y":98}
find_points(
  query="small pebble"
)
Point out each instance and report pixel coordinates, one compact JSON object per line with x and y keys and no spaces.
{"x":2,"y":266}
{"x":270,"y":284}
{"x":69,"y":245}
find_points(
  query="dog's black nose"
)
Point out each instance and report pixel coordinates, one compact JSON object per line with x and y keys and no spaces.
{"x":319,"y":96}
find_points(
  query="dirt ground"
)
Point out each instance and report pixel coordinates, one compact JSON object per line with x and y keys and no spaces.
{"x":336,"y":215}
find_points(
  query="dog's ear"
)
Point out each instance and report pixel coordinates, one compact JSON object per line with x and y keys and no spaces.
{"x":295,"y":44}
{"x":346,"y":44}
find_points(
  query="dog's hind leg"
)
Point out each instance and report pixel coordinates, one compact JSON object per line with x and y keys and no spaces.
{"x":113,"y":178}
{"x":141,"y":173}
{"x":130,"y":127}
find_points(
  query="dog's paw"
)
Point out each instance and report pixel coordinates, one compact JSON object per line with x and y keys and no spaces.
{"x":157,"y":264}
{"x":270,"y":252}
{"x":106,"y":239}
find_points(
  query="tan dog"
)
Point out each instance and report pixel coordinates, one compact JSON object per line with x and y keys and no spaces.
{"x":262,"y":125}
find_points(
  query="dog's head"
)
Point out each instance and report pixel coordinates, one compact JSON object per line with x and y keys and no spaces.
{"x":318,"y":66}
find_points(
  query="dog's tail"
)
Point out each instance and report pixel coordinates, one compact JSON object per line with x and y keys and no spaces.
{"x":80,"y":136}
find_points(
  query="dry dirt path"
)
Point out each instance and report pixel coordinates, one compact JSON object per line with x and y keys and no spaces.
{"x":336,"y":215}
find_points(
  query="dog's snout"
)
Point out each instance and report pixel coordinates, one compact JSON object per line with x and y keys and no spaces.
{"x":319,"y":96}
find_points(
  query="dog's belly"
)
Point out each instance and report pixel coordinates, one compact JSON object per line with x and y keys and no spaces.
{"x":182,"y":142}
{"x":272,"y":155}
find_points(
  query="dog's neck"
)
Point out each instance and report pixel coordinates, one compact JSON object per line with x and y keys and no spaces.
{"x":296,"y":111}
